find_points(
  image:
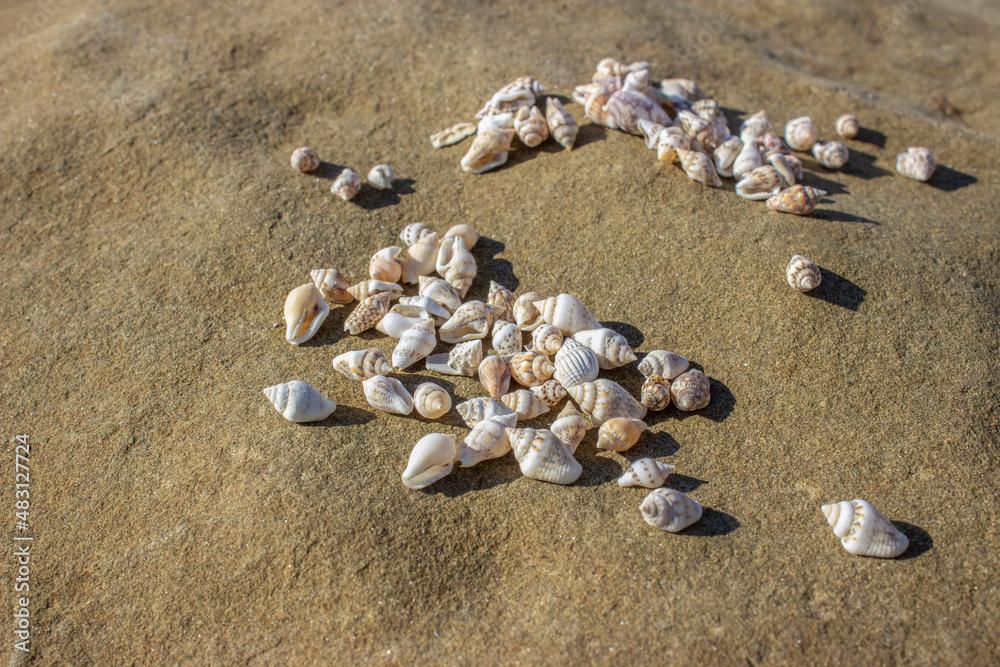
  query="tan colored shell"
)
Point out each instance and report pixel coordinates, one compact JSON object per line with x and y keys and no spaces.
{"x":384,"y":265}
{"x":620,"y":434}
{"x":530,"y":369}
{"x":761,"y":183}
{"x":562,"y":125}
{"x":507,"y":339}
{"x":367,"y":314}
{"x":570,"y":427}
{"x":798,"y":200}
{"x":698,"y":168}
{"x":332,"y":284}
{"x":367,"y":288}
{"x":691,"y":391}
{"x":917,"y":163}
{"x":801,"y":133}
{"x":305,"y":159}
{"x":347,"y":185}
{"x":668,"y":141}
{"x":830,"y":154}
{"x":440,"y":291}
{"x":502,"y":301}
{"x":490,"y":148}
{"x":802,"y":274}
{"x":471,"y":320}
{"x":432,"y":401}
{"x":362,"y":364}
{"x":863,"y":530}
{"x":656,"y":393}
{"x":670,"y":510}
{"x":388,"y":394}
{"x":663,"y":362}
{"x":494,"y":375}
{"x":304,"y":312}
{"x":530,"y":125}
{"x":452,"y":135}
{"x":526,"y":315}
{"x":605,"y":399}
{"x":415,"y":232}
{"x":525,"y":403}
{"x":649,"y":473}
{"x":550,"y":391}
{"x":847,"y":126}
{"x":542,"y":456}
{"x":468,"y":233}
{"x":754,"y":127}
{"x":547,"y":339}
{"x":381,"y":177}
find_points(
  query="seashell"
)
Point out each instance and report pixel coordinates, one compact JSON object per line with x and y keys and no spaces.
{"x":453,"y":135}
{"x":698,"y":168}
{"x":663,"y":362}
{"x":431,"y":400}
{"x":788,"y":167}
{"x":620,"y":434}
{"x":847,"y":126}
{"x":547,"y":339}
{"x":487,"y":440}
{"x":655,"y":393}
{"x":562,"y":125}
{"x":388,"y":394}
{"x":639,"y":82}
{"x":299,"y":402}
{"x":530,"y":369}
{"x":717,"y":131}
{"x":567,"y":313}
{"x":530,"y":126}
{"x":609,"y":84}
{"x":502,"y":301}
{"x":627,"y":107}
{"x":367,"y":314}
{"x":525,"y":403}
{"x":748,"y":160}
{"x":467,"y":232}
{"x":671,"y":139}
{"x":332,"y":284}
{"x":917,"y":163}
{"x":542,"y":456}
{"x":800,"y":133}
{"x":610,"y":67}
{"x":725,"y":156}
{"x":605,"y":399}
{"x":415,"y":232}
{"x":494,"y":375}
{"x":691,"y":391}
{"x":420,"y":259}
{"x":489,"y":148}
{"x":431,"y":459}
{"x":471,"y":320}
{"x":830,"y":154}
{"x":550,"y":391}
{"x":362,"y":364}
{"x":575,"y":364}
{"x":691,"y":123}
{"x":506,"y":339}
{"x":384,"y":265}
{"x":527,"y":83}
{"x":863,"y":530}
{"x":570,"y":427}
{"x":798,"y":200}
{"x":456,"y":264}
{"x":649,"y":473}
{"x":593,"y":106}
{"x":515,"y":95}
{"x":346,"y":185}
{"x":683,"y":89}
{"x":424,"y":306}
{"x":477,"y":409}
{"x":772,"y":143}
{"x":526,"y":315}
{"x":381,"y":177}
{"x":439,"y":291}
{"x":414,"y":344}
{"x":650,"y":132}
{"x":367,"y":288}
{"x":670,"y":510}
{"x":305,"y":159}
{"x":463,"y":359}
{"x":395,"y":323}
{"x":304,"y":311}
{"x":611,"y":348}
{"x":754,"y":127}
{"x":761,"y":183}
{"x":803,"y":274}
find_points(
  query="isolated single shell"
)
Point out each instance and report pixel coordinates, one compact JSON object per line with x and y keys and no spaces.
{"x":725,"y":156}
{"x":440,"y":291}
{"x":469,"y":233}
{"x":789,"y":167}
{"x":543,"y":457}
{"x":432,"y":401}
{"x":863,"y":530}
{"x":655,"y":393}
{"x":830,"y":154}
{"x":396,"y":322}
{"x":611,"y":348}
{"x":388,"y":394}
{"x":463,"y":359}
{"x":452,"y":135}
{"x":547,"y":339}
{"x":347,"y":185}
{"x":671,"y":139}
{"x":663,"y":362}
{"x":691,"y":391}
{"x":414,"y":344}
{"x":502,"y":301}
{"x":384,"y":265}
{"x":800,"y":133}
{"x":527,"y":317}
{"x":367,"y":288}
{"x":627,"y":107}
{"x":748,"y":159}
{"x":507,"y":339}
{"x":802,"y":274}
{"x":567,"y":313}
{"x":575,"y":364}
{"x":456,"y":264}
{"x":419,"y":259}
{"x":332,"y":284}
{"x":494,"y":375}
{"x":525,"y":403}
{"x":487,"y":440}
{"x":847,"y":126}
{"x":471,"y":320}
{"x":699,"y":168}
{"x":605,"y":399}
{"x":381,"y":177}
{"x":562,"y":125}
{"x":620,"y":434}
{"x":362,"y":364}
{"x":570,"y":427}
{"x":477,"y":409}
{"x":304,"y":311}
{"x":431,"y":459}
{"x":530,"y":369}
{"x":798,"y":200}
{"x":670,"y":510}
{"x":916,"y":163}
{"x":305,"y":159}
{"x":649,"y":473}
{"x":754,"y":127}
{"x":761,"y":183}
{"x":299,"y":402}
{"x":530,"y":126}
{"x":490,"y":147}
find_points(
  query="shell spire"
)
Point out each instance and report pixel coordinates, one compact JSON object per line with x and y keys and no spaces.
{"x":863,"y":530}
{"x":670,"y":510}
{"x":543,"y":457}
{"x":299,"y":402}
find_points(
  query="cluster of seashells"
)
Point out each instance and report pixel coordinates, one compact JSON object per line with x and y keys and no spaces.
{"x":347,"y":184}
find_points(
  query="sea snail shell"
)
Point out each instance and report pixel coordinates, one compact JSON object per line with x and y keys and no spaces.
{"x":542,"y":456}
{"x":670,"y":510}
{"x":362,"y":364}
{"x":800,"y":133}
{"x":620,"y":434}
{"x":802,"y":274}
{"x":305,"y":159}
{"x":916,"y":163}
{"x":432,"y":401}
{"x":304,"y":311}
{"x":487,"y":440}
{"x":347,"y":185}
{"x":863,"y":530}
{"x":649,"y":473}
{"x":431,"y":459}
{"x":388,"y":394}
{"x":299,"y":402}
{"x":663,"y":362}
{"x":691,"y":391}
{"x":847,"y":126}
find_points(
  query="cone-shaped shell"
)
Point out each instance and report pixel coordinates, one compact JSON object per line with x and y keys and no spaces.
{"x":803,"y":274}
{"x":526,"y":315}
{"x":699,"y":168}
{"x":605,"y":399}
{"x":761,"y":183}
{"x":656,"y":393}
{"x":748,"y":159}
{"x":304,"y":311}
{"x":367,"y":288}
{"x":567,"y":313}
{"x":725,"y":156}
{"x":456,"y":264}
{"x":477,"y":409}
{"x":415,"y":232}
{"x":431,"y":459}
{"x":611,"y":348}
{"x":384,"y":265}
{"x":670,"y":510}
{"x":663,"y":362}
{"x":487,"y":440}
{"x":546,"y":339}
{"x":627,"y":107}
{"x":416,"y":343}
{"x":525,"y":403}
{"x":488,"y":150}
{"x":494,"y":375}
{"x":423,"y":306}
{"x":671,"y":139}
{"x":863,"y":530}
{"x":362,"y":364}
{"x":507,"y":339}
{"x":381,"y":176}
{"x":801,"y":134}
{"x":530,"y":369}
{"x":575,"y":364}
{"x":367,"y":314}
{"x":788,"y":167}
{"x":754,"y":127}
{"x":398,"y":320}
{"x":649,"y":473}
{"x":332,"y":284}
{"x":471,"y":321}
{"x":502,"y":301}
{"x":440,"y":291}
{"x":432,"y":401}
{"x":570,"y":427}
{"x":797,"y":200}
{"x":550,"y":391}
{"x":463,"y":359}
{"x":620,"y":434}
{"x":562,"y":125}
{"x":691,"y":391}
{"x":388,"y":394}
{"x":530,"y":125}
{"x":299,"y":402}
{"x":541,"y":456}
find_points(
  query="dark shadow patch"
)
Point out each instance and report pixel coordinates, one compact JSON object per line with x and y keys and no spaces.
{"x":328,"y":170}
{"x":372,"y":199}
{"x":813,"y":179}
{"x":838,"y":290}
{"x":344,"y":415}
{"x":489,"y":268}
{"x":862,"y":165}
{"x":734,"y":117}
{"x":598,"y":470}
{"x":947,"y":179}
{"x":482,"y":476}
{"x":634,"y":337}
{"x":870,"y":136}
{"x":684,"y":483}
{"x":588,"y":134}
{"x":841,"y":216}
{"x":653,"y":444}
{"x":713,"y":523}
{"x":920,"y":541}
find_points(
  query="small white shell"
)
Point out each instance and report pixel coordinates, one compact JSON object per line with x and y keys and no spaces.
{"x":699,"y":168}
{"x":431,"y":459}
{"x":761,"y":183}
{"x":575,"y":364}
{"x":830,"y":154}
{"x":620,"y":434}
{"x":526,"y":315}
{"x":517,"y":94}
{"x":469,"y":233}
{"x":414,"y":344}
{"x":463,"y":359}
{"x":655,"y":393}
{"x":916,"y":163}
{"x":388,"y":394}
{"x":725,"y":156}
{"x":570,"y":427}
{"x":691,"y":391}
{"x":367,"y":288}
{"x":789,"y":167}
{"x":396,"y":322}
{"x":691,"y":123}
{"x":381,"y":176}
{"x":525,"y":403}
{"x":530,"y":369}
{"x":304,"y":311}
{"x":424,"y":306}
{"x":663,"y":362}
{"x":748,"y":160}
{"x":847,"y":126}
{"x":611,"y":348}
{"x":507,"y":339}
{"x":562,"y":125}
{"x":682,"y":90}
{"x":432,"y":401}
{"x":543,"y":457}
{"x":299,"y":402}
{"x":347,"y":185}
{"x":415,"y":232}
{"x":800,"y":133}
{"x":649,"y":473}
{"x":440,"y":291}
{"x":530,"y":125}
{"x":754,"y":127}
{"x":547,"y":339}
{"x":605,"y":399}
{"x":305,"y":159}
{"x":494,"y":375}
{"x":650,"y":132}
{"x":362,"y":364}
{"x":797,"y":200}
{"x":802,"y":274}
{"x":670,"y":510}
{"x":863,"y":530}
{"x":367,"y":314}
{"x":567,"y":313}
{"x":453,"y":135}
{"x":332,"y":284}
{"x":384,"y":265}
{"x":471,"y":320}
{"x":502,"y":301}
{"x":477,"y":409}
{"x":418,"y":260}
{"x":487,"y":440}
{"x":456,"y":264}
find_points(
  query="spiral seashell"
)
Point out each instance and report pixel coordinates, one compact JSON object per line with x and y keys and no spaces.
{"x":384,"y":265}
{"x":525,"y":403}
{"x":670,"y":140}
{"x":798,"y":200}
{"x":487,"y":440}
{"x":381,"y":177}
{"x":717,"y":131}
{"x":562,"y":125}
{"x":863,"y":530}
{"x":305,"y":159}
{"x":597,"y":100}
{"x":477,"y":409}
{"x":800,"y":133}
{"x":518,"y":93}
{"x":547,"y":339}
{"x":772,"y":143}
{"x":471,"y":320}
{"x":490,"y":147}
{"x":916,"y":163}
{"x":419,"y":260}
{"x":527,"y":317}
{"x":650,"y":132}
{"x":494,"y":375}
{"x":575,"y":364}
{"x":649,"y":473}
{"x":626,"y":108}
{"x":432,"y":458}
{"x":691,"y":123}
{"x":698,"y":168}
{"x":754,"y":127}
{"x":416,"y":343}
{"x":332,"y":284}
{"x":452,"y":135}
{"x":299,"y":402}
{"x":605,"y":399}
{"x":663,"y":362}
{"x":802,"y":274}
{"x":691,"y":391}
{"x":609,"y":85}
{"x":681,"y":92}
{"x":550,"y":391}
{"x":367,"y":288}
{"x":367,"y":314}
{"x":506,"y":339}
{"x":463,"y":359}
{"x":432,"y":401}
{"x":570,"y":427}
{"x":748,"y":159}
{"x":388,"y":394}
{"x":347,"y":185}
{"x":502,"y":301}
{"x":761,"y":183}
{"x":530,"y":369}
{"x":620,"y":434}
{"x":830,"y":154}
{"x":543,"y":457}
{"x":567,"y":313}
{"x":456,"y":264}
{"x":439,"y":291}
{"x":423,"y":306}
{"x":611,"y":348}
{"x":469,"y":233}
{"x":416,"y":232}
{"x":362,"y":364}
{"x":611,"y":67}
{"x":304,"y":311}
{"x":639,"y":82}
{"x":725,"y":156}
{"x":788,"y":167}
{"x":847,"y":126}
{"x":655,"y":393}
{"x":670,"y":510}
{"x":530,"y":126}
{"x":396,"y":322}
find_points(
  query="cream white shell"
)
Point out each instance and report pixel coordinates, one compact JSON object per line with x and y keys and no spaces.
{"x":863,"y":530}
{"x":305,"y":159}
{"x":388,"y":394}
{"x":463,"y":359}
{"x":691,"y":391}
{"x":761,"y":183}
{"x":567,"y":313}
{"x":432,"y":401}
{"x":415,"y":232}
{"x":507,"y":339}
{"x":526,"y":315}
{"x":648,"y":473}
{"x":803,"y":274}
{"x":471,"y":321}
{"x":332,"y":284}
{"x":347,"y":185}
{"x":362,"y":364}
{"x":299,"y":402}
{"x":381,"y":176}
{"x":575,"y":364}
{"x":384,"y":265}
{"x":562,"y":125}
{"x":487,"y":440}
{"x":663,"y":362}
{"x":530,"y":126}
{"x":477,"y":409}
{"x":395,"y":323}
{"x":699,"y":168}
{"x":917,"y":163}
{"x":452,"y":135}
{"x":456,"y":264}
{"x":432,"y":458}
{"x":610,"y":347}
{"x":525,"y":403}
{"x":754,"y":127}
{"x":748,"y":159}
{"x":414,"y":344}
{"x":605,"y":399}
{"x":830,"y":154}
{"x":801,"y":133}
{"x":546,"y":339}
{"x":670,"y":510}
{"x":468,"y":233}
{"x":847,"y":126}
{"x":305,"y":309}
{"x":570,"y":427}
{"x":440,"y":291}
{"x":543,"y":457}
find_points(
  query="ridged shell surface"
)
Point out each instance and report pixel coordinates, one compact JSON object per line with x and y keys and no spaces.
{"x":663,"y":362}
{"x":388,"y":394}
{"x":432,"y":401}
{"x":477,"y":409}
{"x":299,"y":402}
{"x":670,"y":510}
{"x":610,"y":347}
{"x":575,"y":364}
{"x":362,"y":364}
{"x":416,"y":343}
{"x":541,"y":456}
{"x":863,"y":530}
{"x":567,"y":313}
{"x":570,"y":427}
{"x":525,"y":403}
{"x":605,"y":399}
{"x":691,"y":391}
{"x":648,"y":473}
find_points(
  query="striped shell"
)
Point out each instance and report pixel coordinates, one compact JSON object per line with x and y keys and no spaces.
{"x":691,"y":391}
{"x":847,"y":126}
{"x":649,"y":473}
{"x":546,"y":339}
{"x":605,"y":399}
{"x":803,"y":274}
{"x":570,"y":427}
{"x":299,"y":402}
{"x":611,"y":348}
{"x":663,"y":362}
{"x":332,"y":284}
{"x":801,"y":134}
{"x":530,"y":126}
{"x":367,"y":314}
{"x":575,"y":364}
{"x":477,"y":409}
{"x":415,"y":232}
{"x":432,"y":401}
{"x":562,"y":125}
{"x":388,"y":394}
{"x":367,"y":288}
{"x":543,"y":457}
{"x":797,"y":200}
{"x":863,"y":530}
{"x":525,"y":403}
{"x":494,"y":375}
{"x":699,"y":168}
{"x":362,"y":364}
{"x":530,"y":369}
{"x":761,"y":183}
{"x":656,"y":393}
